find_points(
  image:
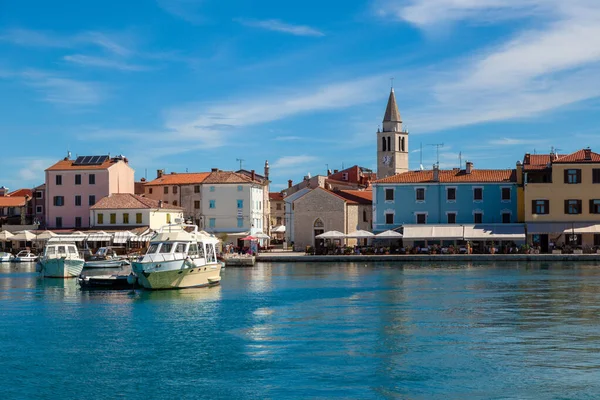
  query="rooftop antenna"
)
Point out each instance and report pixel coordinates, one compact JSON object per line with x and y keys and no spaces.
{"x":240,"y":160}
{"x":421,"y":157}
{"x":459,"y":159}
{"x":327,"y":166}
{"x":437,"y":149}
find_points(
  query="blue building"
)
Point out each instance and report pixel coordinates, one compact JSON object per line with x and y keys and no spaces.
{"x":459,"y":197}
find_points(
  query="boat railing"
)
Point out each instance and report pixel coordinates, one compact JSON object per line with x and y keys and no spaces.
{"x":166,"y":257}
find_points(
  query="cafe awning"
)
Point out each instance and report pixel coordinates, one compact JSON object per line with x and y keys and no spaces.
{"x":534,"y":228}
{"x":433,"y":232}
{"x":515,"y":232}
{"x":99,"y":237}
{"x":122,"y":237}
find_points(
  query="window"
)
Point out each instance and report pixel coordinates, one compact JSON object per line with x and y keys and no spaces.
{"x":451,"y":194}
{"x":278,"y":206}
{"x":594,"y":206}
{"x":240,"y":222}
{"x":166,"y":190}
{"x":78,"y":179}
{"x":174,"y":189}
{"x":420,"y":194}
{"x":421,"y":218}
{"x":344,"y":176}
{"x":389,"y":194}
{"x":212,"y":188}
{"x":138,"y":218}
{"x":78,"y":200}
{"x":572,"y":206}
{"x":572,"y":176}
{"x":180,"y":248}
{"x":39,"y":195}
{"x":505,"y":194}
{"x":389,"y":218}
{"x":596,"y":239}
{"x":193,"y":251}
{"x":477,"y":218}
{"x":278,"y":221}
{"x":365,"y":216}
{"x":240,"y":188}
{"x":59,"y":201}
{"x":540,"y":207}
{"x":166,"y":248}
{"x":168,"y":218}
{"x":92,"y":200}
{"x":197,"y":204}
{"x":113,"y":218}
{"x":58,"y":180}
{"x":211,"y":222}
{"x":506,"y":218}
{"x":100,"y":219}
{"x":92,"y":179}
{"x":197,"y":189}
{"x":240,"y":204}
{"x":212,"y":204}
{"x":39,"y":209}
{"x":174,"y":202}
{"x":125,"y":218}
{"x":59,"y":222}
{"x":573,"y":240}
{"x":77,"y":222}
{"x":451,"y":218}
{"x":477,"y":194}
{"x":596,"y":175}
{"x":149,"y":190}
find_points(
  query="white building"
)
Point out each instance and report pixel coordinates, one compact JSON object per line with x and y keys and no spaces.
{"x":232,"y":203}
{"x":127,"y":211}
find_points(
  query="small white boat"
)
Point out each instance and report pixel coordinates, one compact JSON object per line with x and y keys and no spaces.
{"x":61,"y":260}
{"x":25,"y":256}
{"x":6,"y":257}
{"x":105,"y":257}
{"x":179,"y":257}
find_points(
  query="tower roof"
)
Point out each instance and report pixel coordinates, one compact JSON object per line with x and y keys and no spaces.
{"x":391,"y":112}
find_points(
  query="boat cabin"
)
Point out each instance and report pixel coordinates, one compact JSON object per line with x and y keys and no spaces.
{"x":61,"y":250}
{"x":200,"y":252}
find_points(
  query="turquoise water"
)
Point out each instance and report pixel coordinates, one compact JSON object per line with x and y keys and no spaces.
{"x":276,"y":331}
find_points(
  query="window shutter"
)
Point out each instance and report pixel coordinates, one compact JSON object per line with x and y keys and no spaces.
{"x":591,"y":206}
{"x":566,"y":176}
{"x":579,"y":207}
{"x":578,"y":176}
{"x":566,"y":206}
{"x":547,"y":204}
{"x":533,"y":207}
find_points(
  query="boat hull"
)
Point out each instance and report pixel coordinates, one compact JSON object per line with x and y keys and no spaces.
{"x":105,"y":264}
{"x":61,"y":267}
{"x":186,"y":276}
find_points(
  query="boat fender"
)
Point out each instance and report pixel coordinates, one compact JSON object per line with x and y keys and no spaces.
{"x":131,"y":279}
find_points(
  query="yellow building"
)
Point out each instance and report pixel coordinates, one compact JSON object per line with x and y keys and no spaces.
{"x":561,"y":199}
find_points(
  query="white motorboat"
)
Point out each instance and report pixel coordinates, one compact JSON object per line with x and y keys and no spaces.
{"x":25,"y":256}
{"x":179,"y":257}
{"x":61,"y":260}
{"x":6,"y":257}
{"x":105,"y":257}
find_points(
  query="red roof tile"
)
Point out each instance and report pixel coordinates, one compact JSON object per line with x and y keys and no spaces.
{"x":228,"y":177}
{"x":579,"y":157}
{"x":357,"y":196}
{"x":21,"y":192}
{"x":180,"y":179}
{"x":129,"y":201}
{"x":453,"y":176}
{"x":275,"y":196}
{"x":12,"y":201}
{"x":66,"y":165}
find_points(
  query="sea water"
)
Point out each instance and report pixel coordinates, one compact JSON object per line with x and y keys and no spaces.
{"x":310,"y":330}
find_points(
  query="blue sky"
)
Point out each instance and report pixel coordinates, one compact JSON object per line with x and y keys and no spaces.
{"x":195,"y":84}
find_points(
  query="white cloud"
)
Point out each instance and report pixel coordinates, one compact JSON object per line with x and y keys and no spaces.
{"x":101,"y":62}
{"x":60,"y":90}
{"x":513,"y":142}
{"x":287,"y":138}
{"x":280,"y":26}
{"x":187,"y":10}
{"x":293,"y":161}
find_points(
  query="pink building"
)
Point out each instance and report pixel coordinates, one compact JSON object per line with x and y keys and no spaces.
{"x":72,"y":187}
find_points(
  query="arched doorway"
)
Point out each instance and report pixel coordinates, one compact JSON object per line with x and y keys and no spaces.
{"x":318,"y":228}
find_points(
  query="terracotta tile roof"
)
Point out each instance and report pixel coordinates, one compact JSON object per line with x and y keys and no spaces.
{"x":12,"y":201}
{"x":275,"y":196}
{"x":537,"y":161}
{"x":129,"y":201}
{"x":357,"y":196}
{"x":454,"y":176}
{"x":581,"y":156}
{"x":66,"y":165}
{"x":227,"y":177}
{"x":21,"y":192}
{"x":180,"y":179}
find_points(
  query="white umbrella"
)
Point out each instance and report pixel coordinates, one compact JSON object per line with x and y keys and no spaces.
{"x":360,"y":234}
{"x":331,"y":235}
{"x":24,"y":236}
{"x":45,"y":235}
{"x":261,"y":235}
{"x":278,"y":229}
{"x":388,"y":235}
{"x":5,"y":236}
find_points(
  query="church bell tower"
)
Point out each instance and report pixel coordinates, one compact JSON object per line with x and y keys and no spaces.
{"x":392,"y":142}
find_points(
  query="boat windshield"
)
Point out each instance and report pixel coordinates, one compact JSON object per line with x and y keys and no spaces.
{"x":210,"y":253}
{"x":153,"y":248}
{"x":180,"y":248}
{"x":62,"y":250}
{"x":50,"y":250}
{"x":73,"y":250}
{"x":166,"y":248}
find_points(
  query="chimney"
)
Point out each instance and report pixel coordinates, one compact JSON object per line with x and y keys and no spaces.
{"x":587,"y":154}
{"x":289,"y":183}
{"x":328,"y":172}
{"x":436,"y":173}
{"x":469,"y":167}
{"x":519,"y":172}
{"x":173,"y":173}
{"x":335,"y":171}
{"x":253,"y":175}
{"x":159,"y":173}
{"x":143,"y":180}
{"x":3,"y":191}
{"x":267,"y":169}
{"x":160,"y":203}
{"x":527,"y":159}
{"x":214,"y":169}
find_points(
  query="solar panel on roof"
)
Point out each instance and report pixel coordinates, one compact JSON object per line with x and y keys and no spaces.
{"x":90,"y":160}
{"x":78,"y":161}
